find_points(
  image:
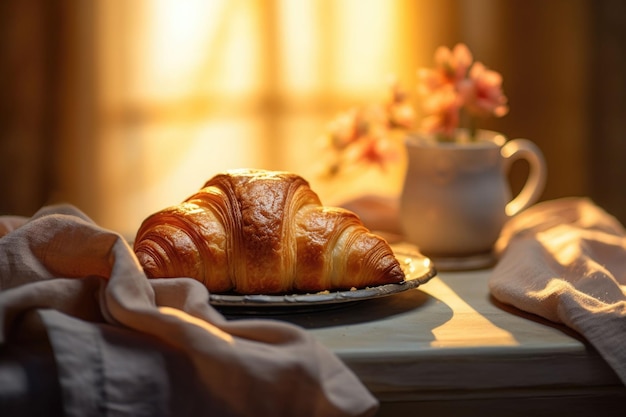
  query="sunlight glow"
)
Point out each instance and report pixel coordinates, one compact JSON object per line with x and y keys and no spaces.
{"x":561,"y":243}
{"x":467,"y":327}
{"x":177,"y":34}
{"x":364,"y":41}
{"x":197,"y":47}
{"x":189,"y":89}
{"x":300,"y":58}
{"x":210,"y":328}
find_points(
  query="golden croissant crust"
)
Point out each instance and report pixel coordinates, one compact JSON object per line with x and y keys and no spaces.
{"x":263,"y":232}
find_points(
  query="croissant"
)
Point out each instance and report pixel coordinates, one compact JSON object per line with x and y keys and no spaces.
{"x":263,"y":232}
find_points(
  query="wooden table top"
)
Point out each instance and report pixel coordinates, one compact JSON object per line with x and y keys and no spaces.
{"x":449,"y":337}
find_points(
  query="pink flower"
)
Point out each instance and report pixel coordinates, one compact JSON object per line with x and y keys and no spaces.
{"x":372,"y":149}
{"x":457,"y":83}
{"x":453,"y":63}
{"x":482,"y":92}
{"x":360,"y":135}
{"x":442,"y":111}
{"x":344,"y":129}
{"x":352,"y":125}
{"x":429,"y":80}
{"x":400,"y":112}
{"x":438,"y":88}
{"x":450,"y":68}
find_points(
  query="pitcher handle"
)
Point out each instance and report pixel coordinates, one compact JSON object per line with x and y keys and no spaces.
{"x":517,"y":149}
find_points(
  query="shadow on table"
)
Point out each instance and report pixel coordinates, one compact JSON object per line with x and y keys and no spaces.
{"x":535,"y":318}
{"x":594,"y":354}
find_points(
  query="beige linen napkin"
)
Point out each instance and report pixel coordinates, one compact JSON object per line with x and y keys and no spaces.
{"x":114,"y":333}
{"x":565,"y":260}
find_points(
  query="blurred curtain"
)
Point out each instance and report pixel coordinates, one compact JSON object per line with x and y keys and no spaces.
{"x":26,"y":104}
{"x":607,"y":138}
{"x":125,"y":107}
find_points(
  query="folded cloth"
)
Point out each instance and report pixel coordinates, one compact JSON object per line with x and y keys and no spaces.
{"x":65,"y":278}
{"x":565,"y":260}
{"x":378,"y":213}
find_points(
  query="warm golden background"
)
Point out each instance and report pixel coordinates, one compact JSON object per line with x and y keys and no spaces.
{"x":124,"y":107}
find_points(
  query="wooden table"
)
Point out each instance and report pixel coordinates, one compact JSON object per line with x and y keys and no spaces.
{"x":448,"y":348}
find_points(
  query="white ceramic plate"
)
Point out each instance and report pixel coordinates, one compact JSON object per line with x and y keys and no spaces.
{"x":417,"y":268}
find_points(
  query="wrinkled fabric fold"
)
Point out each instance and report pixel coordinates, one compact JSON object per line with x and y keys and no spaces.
{"x":95,"y":300}
{"x":565,"y":260}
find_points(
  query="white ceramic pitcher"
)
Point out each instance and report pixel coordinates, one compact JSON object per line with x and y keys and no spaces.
{"x":456,"y":196}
